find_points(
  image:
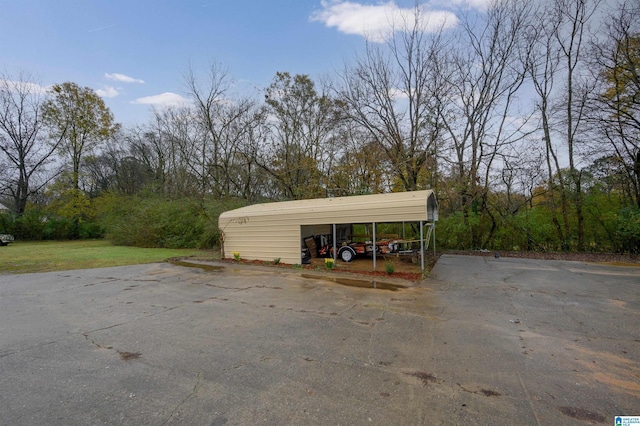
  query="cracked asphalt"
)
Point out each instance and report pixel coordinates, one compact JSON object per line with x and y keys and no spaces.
{"x":481,"y":341}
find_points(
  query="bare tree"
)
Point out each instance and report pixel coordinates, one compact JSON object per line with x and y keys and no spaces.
{"x":544,"y":68}
{"x":574,"y":16}
{"x":392,"y":92}
{"x":241,"y":137}
{"x":177,"y":135}
{"x":209,"y":100}
{"x":615,"y":111}
{"x":22,"y":140}
{"x":120,"y":166}
{"x":521,"y":173}
{"x":557,"y":68}
{"x":150,"y":146}
{"x":227,"y":128}
{"x":479,"y":111}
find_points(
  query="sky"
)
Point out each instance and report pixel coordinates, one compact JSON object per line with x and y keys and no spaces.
{"x":135,"y":53}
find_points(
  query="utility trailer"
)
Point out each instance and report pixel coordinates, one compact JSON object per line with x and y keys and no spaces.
{"x":353,"y":246}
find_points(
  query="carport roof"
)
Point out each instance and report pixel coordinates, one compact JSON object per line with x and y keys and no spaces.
{"x":379,"y":208}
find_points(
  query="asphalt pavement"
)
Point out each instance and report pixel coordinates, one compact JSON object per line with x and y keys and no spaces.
{"x":481,"y":341}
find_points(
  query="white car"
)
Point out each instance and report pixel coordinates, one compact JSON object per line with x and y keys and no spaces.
{"x":5,"y":239}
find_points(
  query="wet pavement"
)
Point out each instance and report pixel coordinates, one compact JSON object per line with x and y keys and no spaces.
{"x":481,"y":341}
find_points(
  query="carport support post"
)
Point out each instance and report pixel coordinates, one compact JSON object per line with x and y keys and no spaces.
{"x":434,"y":238}
{"x":335,"y":251}
{"x":421,"y":247}
{"x":374,"y":246}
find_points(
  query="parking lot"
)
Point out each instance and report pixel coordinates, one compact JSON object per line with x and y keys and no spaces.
{"x":481,"y":341}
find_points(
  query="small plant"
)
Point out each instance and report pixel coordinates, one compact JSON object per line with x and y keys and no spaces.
{"x":236,"y":255}
{"x":296,"y":266}
{"x":276,"y":261}
{"x":329,"y":263}
{"x":389,"y":267}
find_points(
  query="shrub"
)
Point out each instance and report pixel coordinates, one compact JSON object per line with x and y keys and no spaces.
{"x":329,"y":263}
{"x":40,"y":224}
{"x":628,"y":229}
{"x":156,"y":222}
{"x":389,"y":267}
{"x":29,"y":226}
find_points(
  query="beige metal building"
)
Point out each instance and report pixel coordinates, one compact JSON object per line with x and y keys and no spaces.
{"x":277,"y":230}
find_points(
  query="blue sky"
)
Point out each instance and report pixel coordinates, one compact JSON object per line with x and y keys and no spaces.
{"x":134,"y":53}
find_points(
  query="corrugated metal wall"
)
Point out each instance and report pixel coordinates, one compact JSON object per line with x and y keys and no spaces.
{"x":263,"y":239}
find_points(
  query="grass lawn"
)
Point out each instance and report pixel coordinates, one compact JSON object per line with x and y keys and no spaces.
{"x":45,"y":256}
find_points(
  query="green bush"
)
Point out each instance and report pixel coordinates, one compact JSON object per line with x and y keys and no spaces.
{"x":90,"y":230}
{"x":628,"y":229}
{"x":389,"y":268}
{"x":58,"y":228}
{"x":39,"y":224}
{"x":7,"y":223}
{"x":453,"y":233}
{"x":156,"y":222}
{"x":30,"y":226}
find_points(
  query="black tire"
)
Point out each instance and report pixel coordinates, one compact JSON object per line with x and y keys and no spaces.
{"x":347,"y":254}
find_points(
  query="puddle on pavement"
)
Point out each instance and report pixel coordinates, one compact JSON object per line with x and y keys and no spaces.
{"x":373,"y":284}
{"x":205,"y":267}
{"x":378,"y":285}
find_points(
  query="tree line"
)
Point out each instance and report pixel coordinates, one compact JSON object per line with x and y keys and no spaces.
{"x":524,"y":119}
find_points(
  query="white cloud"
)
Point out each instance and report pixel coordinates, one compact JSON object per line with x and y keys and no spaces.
{"x":472,"y":4}
{"x":377,"y":22}
{"x":107,"y":92}
{"x":23,"y":86}
{"x":122,"y":78}
{"x":105,"y":27}
{"x":398,"y":94}
{"x":166,"y":99}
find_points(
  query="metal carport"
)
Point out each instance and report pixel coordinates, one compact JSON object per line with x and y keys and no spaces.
{"x":271,"y":231}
